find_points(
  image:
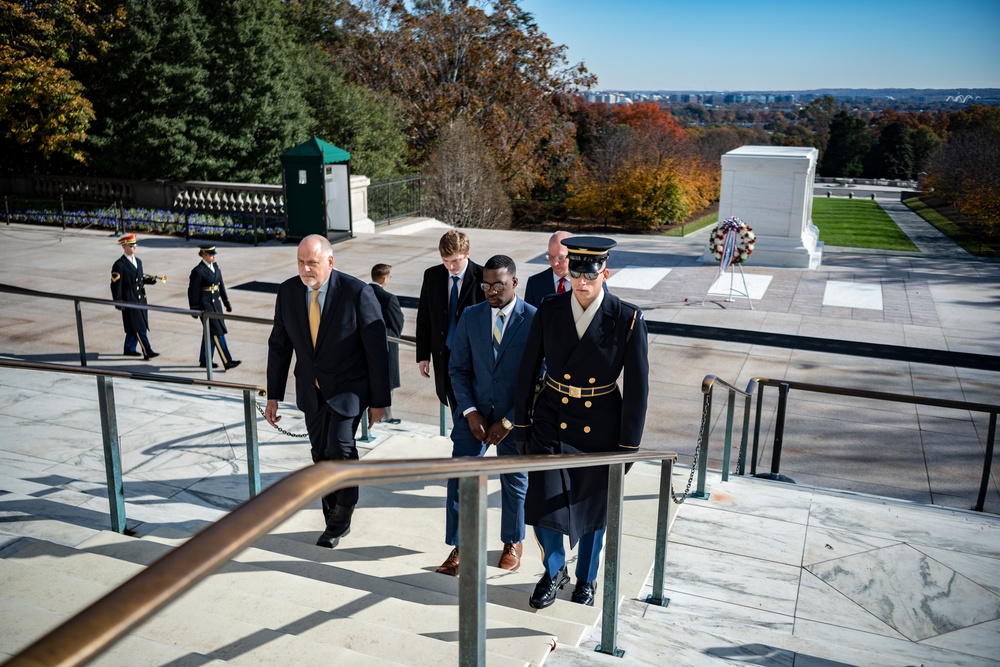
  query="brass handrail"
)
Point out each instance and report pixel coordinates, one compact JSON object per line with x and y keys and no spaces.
{"x":95,"y":628}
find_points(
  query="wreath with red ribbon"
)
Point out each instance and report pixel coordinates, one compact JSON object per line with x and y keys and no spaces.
{"x":732,"y":242}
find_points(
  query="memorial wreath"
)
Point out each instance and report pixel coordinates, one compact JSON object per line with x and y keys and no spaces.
{"x":732,"y":242}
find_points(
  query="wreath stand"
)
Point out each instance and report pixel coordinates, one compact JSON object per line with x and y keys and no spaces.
{"x":732,"y":285}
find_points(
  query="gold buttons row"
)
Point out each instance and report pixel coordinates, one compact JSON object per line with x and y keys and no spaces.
{"x":567,"y":376}
{"x":586,"y":404}
{"x":564,"y":426}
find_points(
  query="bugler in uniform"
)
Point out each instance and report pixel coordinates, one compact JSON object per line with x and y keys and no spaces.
{"x":128,"y":284}
{"x":207,"y":292}
{"x":586,"y":337}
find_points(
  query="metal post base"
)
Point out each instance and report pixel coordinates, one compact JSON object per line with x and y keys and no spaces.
{"x":618,"y":653}
{"x":659,"y":602}
{"x":774,"y":476}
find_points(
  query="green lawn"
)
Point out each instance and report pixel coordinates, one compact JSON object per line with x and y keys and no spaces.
{"x":857,"y":223}
{"x":962,"y":237}
{"x":694,"y":225}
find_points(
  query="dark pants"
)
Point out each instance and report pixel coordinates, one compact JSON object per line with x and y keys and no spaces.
{"x":588,"y":552}
{"x":138,"y":339}
{"x":218,"y":342}
{"x":332,"y":438}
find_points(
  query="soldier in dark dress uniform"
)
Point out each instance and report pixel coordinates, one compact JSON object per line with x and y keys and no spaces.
{"x":207,"y":292}
{"x":586,"y":338}
{"x":392,"y":313}
{"x":128,"y":284}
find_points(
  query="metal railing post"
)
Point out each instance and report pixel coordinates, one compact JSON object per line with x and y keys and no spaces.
{"x":703,"y":450}
{"x":612,"y":554}
{"x":253,"y":458}
{"x":79,"y":332}
{"x":206,"y":344}
{"x":756,"y":429}
{"x":112,"y":452}
{"x":662,"y":533}
{"x":779,"y":436}
{"x":743,"y":440}
{"x":444,"y":419}
{"x":366,"y":434}
{"x":472,"y":571}
{"x":726,"y":455}
{"x":991,"y":435}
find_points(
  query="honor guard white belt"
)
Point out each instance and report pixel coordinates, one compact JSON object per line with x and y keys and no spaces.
{"x":579,"y":392}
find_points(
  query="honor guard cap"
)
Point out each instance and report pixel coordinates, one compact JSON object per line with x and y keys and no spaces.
{"x":206,"y":250}
{"x":587,"y":253}
{"x":128,"y":240}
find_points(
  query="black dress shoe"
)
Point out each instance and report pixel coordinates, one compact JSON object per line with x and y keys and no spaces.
{"x":133,"y":353}
{"x":338,"y":525}
{"x":584,"y":592}
{"x":389,"y":421}
{"x":214,"y":365}
{"x":546,"y":588}
{"x":233,"y":364}
{"x":150,"y":356}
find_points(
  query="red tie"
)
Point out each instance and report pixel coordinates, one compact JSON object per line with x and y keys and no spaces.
{"x":562,"y":285}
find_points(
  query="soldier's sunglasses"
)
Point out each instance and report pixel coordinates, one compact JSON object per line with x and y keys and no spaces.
{"x":589,"y":275}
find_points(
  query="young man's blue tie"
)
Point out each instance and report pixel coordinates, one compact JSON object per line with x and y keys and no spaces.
{"x":452,"y":310}
{"x":497,"y":334}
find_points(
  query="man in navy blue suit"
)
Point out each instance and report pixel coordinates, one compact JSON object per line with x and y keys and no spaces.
{"x":483,"y":368}
{"x":333,"y":324}
{"x":554,"y":280}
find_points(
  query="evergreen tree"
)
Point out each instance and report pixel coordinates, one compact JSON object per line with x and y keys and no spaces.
{"x":892,"y":156}
{"x":256,"y":105}
{"x":850,"y":141}
{"x":151,"y":96}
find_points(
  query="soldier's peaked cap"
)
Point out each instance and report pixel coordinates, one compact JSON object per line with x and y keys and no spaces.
{"x":128,"y":240}
{"x":206,"y":249}
{"x":587,"y":253}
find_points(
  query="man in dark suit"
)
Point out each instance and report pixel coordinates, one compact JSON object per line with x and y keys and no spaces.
{"x":393,"y":316}
{"x":587,"y":338}
{"x":207,"y":292}
{"x":128,"y":284}
{"x":554,"y":280}
{"x":483,"y":367}
{"x":448,"y":288}
{"x":333,"y":324}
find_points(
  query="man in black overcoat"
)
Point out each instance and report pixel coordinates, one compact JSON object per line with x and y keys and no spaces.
{"x":448,"y":288}
{"x":128,"y":284}
{"x":332,"y":324}
{"x":586,"y":338}
{"x":207,"y":292}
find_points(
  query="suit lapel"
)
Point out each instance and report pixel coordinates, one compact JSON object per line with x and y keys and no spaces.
{"x":510,"y":328}
{"x":334,"y":296}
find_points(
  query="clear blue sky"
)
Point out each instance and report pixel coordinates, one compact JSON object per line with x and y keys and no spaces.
{"x":778,"y":44}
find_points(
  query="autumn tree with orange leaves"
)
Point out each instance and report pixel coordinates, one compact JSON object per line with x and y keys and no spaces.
{"x":485,"y":61}
{"x":642,"y":170}
{"x":43,"y":107}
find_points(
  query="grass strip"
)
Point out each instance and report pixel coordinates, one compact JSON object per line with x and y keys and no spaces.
{"x":972,"y":243}
{"x":857,"y":223}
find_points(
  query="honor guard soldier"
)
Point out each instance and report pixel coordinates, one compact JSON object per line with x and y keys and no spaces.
{"x":128,"y":284}
{"x":207,"y":292}
{"x":586,"y":337}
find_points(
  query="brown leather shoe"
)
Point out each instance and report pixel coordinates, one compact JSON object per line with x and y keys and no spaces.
{"x":450,"y":566}
{"x":510,"y":559}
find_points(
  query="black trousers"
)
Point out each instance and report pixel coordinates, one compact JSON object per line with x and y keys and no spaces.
{"x":332,"y":438}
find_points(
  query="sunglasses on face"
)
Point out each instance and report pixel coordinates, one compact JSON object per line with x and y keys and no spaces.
{"x":495,"y":287}
{"x":589,"y":275}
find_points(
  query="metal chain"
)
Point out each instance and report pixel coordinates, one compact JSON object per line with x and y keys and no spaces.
{"x":278,"y":428}
{"x":679,"y":499}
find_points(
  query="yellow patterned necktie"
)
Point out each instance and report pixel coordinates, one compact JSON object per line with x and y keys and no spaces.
{"x":314,"y":317}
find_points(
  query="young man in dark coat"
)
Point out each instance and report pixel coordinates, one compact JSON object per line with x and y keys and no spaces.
{"x":332,"y":324}
{"x":448,"y":289}
{"x":128,"y":284}
{"x":207,"y":292}
{"x":586,"y":337}
{"x":393,"y":316}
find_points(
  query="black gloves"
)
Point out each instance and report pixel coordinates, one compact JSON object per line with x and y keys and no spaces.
{"x":229,"y":308}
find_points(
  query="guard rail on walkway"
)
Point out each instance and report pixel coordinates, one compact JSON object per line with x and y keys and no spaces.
{"x":109,"y":424}
{"x":784,"y":386}
{"x":708,"y":387}
{"x":95,"y":628}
